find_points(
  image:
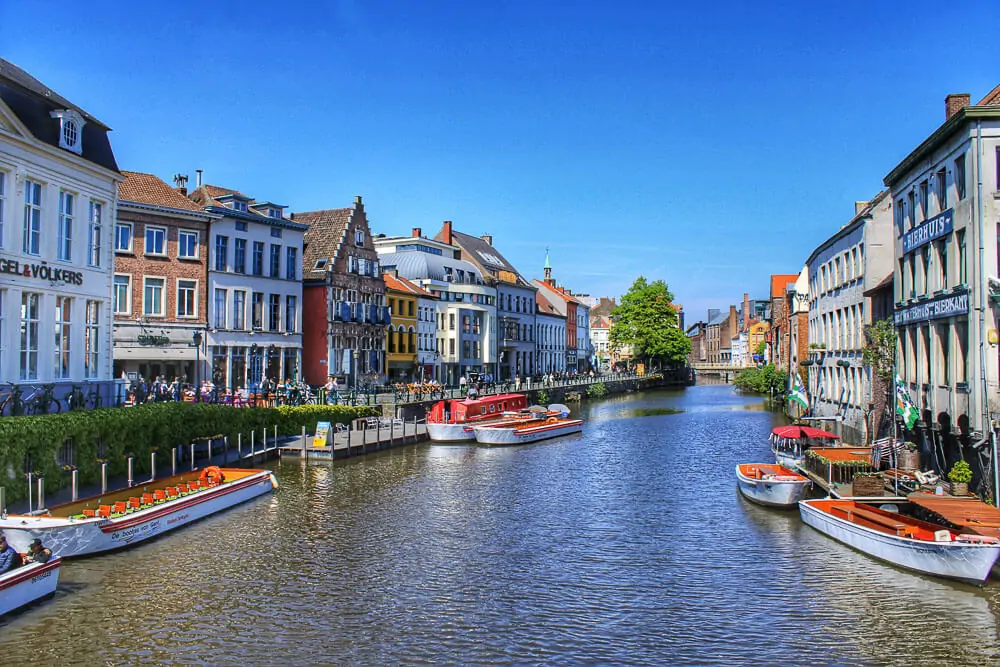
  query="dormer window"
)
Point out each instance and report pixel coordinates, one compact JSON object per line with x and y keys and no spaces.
{"x":70,"y":129}
{"x":239,"y":205}
{"x":274,"y":213}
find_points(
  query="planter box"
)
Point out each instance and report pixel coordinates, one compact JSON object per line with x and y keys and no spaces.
{"x":908,"y":461}
{"x":868,"y":486}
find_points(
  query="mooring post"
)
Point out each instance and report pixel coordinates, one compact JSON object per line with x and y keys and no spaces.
{"x":74,"y":482}
{"x":239,"y":446}
{"x":225,"y":449}
{"x":392,"y":424}
{"x":41,"y":492}
{"x":104,"y":477}
{"x":253,"y":444}
{"x":192,"y":456}
{"x":3,"y":502}
{"x":275,"y":436}
{"x":152,"y":466}
{"x":305,"y":449}
{"x":30,"y":497}
{"x":173,"y":459}
{"x":131,"y":477}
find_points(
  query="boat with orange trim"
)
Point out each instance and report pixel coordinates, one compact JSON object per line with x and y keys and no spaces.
{"x":910,"y":543}
{"x":771,"y":484}
{"x":448,"y":420}
{"x":23,"y":585}
{"x":553,"y":422}
{"x":129,"y":516}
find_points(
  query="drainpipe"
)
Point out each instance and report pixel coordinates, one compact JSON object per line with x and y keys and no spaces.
{"x":980,"y":288}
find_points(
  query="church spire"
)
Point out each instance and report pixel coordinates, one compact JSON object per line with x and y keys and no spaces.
{"x":548,"y":268}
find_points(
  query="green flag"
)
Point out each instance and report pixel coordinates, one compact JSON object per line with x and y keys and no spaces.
{"x":904,"y":406}
{"x":798,"y":392}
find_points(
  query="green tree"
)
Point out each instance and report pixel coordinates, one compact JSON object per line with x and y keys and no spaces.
{"x":761,"y":346}
{"x":766,"y":380}
{"x":880,"y":349}
{"x":646,"y":320}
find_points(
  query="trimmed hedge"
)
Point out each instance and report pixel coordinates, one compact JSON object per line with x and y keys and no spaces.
{"x":137,"y":430}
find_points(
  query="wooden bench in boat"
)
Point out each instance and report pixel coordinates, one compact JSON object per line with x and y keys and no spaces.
{"x":901,"y":529}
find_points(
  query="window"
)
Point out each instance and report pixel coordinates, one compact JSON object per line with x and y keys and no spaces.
{"x":359,"y":237}
{"x":913,"y":275}
{"x":187,"y":244}
{"x":221,"y":252}
{"x":996,"y":168}
{"x":239,"y":206}
{"x":241,"y":226}
{"x":940,"y":191}
{"x":960,"y":177}
{"x":291,"y":261}
{"x":220,"y":308}
{"x":156,"y":240}
{"x":274,"y":213}
{"x":925,"y":266}
{"x":31,"y":237}
{"x":94,"y":234}
{"x":123,"y":294}
{"x":409,"y":308}
{"x":258,"y":258}
{"x":941,"y":246}
{"x":925,"y":201}
{"x":320,"y":265}
{"x":960,"y":242}
{"x":239,"y":309}
{"x":153,"y":297}
{"x":187,"y":298}
{"x":275,"y":231}
{"x":61,"y":365}
{"x":3,"y":329}
{"x":92,"y":340}
{"x":962,"y":338}
{"x":274,"y":312}
{"x":912,"y":210}
{"x":64,"y":231}
{"x":275,"y":265}
{"x":290,"y":313}
{"x":240,"y":255}
{"x":944,"y":357}
{"x":29,"y":335}
{"x":123,"y":237}
{"x":257,"y":311}
{"x":3,"y":201}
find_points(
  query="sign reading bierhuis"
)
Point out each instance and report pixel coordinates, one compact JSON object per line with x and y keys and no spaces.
{"x":40,"y":271}
{"x":943,"y":306}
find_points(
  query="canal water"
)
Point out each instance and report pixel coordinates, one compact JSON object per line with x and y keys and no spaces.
{"x":627,"y":544}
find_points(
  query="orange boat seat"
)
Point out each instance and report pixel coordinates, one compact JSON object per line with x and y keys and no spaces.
{"x":89,"y":513}
{"x":147,"y":499}
{"x":159,"y":494}
{"x":104,"y":510}
{"x":183,"y":488}
{"x":134,"y":502}
{"x":195,"y":485}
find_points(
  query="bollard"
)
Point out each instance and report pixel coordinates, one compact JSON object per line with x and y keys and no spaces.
{"x":392,"y":428}
{"x":239,"y":446}
{"x":152,"y":466}
{"x":305,"y":449}
{"x":275,"y":436}
{"x":364,"y":438}
{"x":225,"y":449}
{"x":173,"y":460}
{"x":131,"y":479}
{"x":104,"y":477}
{"x":3,"y":502}
{"x":253,"y":434}
{"x":41,"y":493}
{"x":192,"y":456}
{"x":74,"y":483}
{"x":414,"y":428}
{"x":30,"y":496}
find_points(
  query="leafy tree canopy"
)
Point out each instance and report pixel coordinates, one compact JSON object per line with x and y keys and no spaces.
{"x":646,"y":320}
{"x":880,"y":348}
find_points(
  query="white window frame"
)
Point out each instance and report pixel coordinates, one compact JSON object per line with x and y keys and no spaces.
{"x":225,"y":308}
{"x":92,"y":339}
{"x":275,"y":232}
{"x":25,"y":349}
{"x":32,"y":219}
{"x":294,"y":312}
{"x":177,"y":301}
{"x":197,"y":243}
{"x":3,"y":329}
{"x":239,"y":206}
{"x":145,"y":242}
{"x":64,"y":227}
{"x":3,"y":203}
{"x":128,"y":294}
{"x":131,"y":236}
{"x":95,"y":224}
{"x":163,"y":296}
{"x":240,"y":323}
{"x":63,"y":330}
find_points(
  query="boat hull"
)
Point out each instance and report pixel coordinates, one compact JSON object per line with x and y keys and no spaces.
{"x":68,"y":538}
{"x":952,"y":560}
{"x":785,"y":494}
{"x":518,"y":436}
{"x":26,"y":584}
{"x":449,"y":432}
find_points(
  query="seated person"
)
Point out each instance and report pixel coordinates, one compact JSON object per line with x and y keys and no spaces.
{"x":37,"y":553}
{"x":9,"y":559}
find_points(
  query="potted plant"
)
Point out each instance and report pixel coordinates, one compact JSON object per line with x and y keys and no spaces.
{"x":960,"y":476}
{"x":908,"y":457}
{"x":868,"y":484}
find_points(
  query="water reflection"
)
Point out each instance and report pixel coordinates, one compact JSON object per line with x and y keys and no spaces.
{"x":625,"y":545}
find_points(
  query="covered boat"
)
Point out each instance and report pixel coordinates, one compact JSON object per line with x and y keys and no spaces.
{"x":448,"y":419}
{"x":789,"y":443}
{"x":539,"y":425}
{"x":770,"y":484}
{"x":129,"y":516}
{"x":904,"y":541}
{"x":23,"y":585}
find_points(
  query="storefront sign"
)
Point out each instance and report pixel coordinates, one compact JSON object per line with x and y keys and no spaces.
{"x":150,"y":339}
{"x":943,"y":306}
{"x":938,"y":226}
{"x":40,"y":272}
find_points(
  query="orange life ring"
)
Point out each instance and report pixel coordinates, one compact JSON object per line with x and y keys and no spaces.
{"x":551,"y":420}
{"x":212,"y":475}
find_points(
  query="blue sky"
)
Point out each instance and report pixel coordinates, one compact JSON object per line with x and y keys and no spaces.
{"x":706,"y":149}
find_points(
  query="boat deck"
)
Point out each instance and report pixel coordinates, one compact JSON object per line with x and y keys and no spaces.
{"x":874,"y":518}
{"x":969,"y":515}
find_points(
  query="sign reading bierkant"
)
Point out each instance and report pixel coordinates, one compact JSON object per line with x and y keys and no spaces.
{"x":938,"y":226}
{"x":943,"y":306}
{"x":40,"y":271}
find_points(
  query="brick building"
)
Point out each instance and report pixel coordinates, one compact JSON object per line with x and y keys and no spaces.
{"x":160,"y":298}
{"x":778,"y":345}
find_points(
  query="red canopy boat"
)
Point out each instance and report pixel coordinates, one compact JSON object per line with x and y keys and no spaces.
{"x":794,"y":432}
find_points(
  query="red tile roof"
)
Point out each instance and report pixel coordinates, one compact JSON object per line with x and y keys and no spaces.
{"x":400,"y":284}
{"x":149,"y":189}
{"x":206,"y":194}
{"x":326,"y":233}
{"x":992,"y":98}
{"x":545,"y":306}
{"x":780,"y":281}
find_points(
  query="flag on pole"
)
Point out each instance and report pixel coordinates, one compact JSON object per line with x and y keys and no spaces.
{"x":797,"y":394}
{"x":904,"y":406}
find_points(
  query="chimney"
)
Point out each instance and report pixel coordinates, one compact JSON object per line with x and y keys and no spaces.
{"x":197,"y":180}
{"x":357,"y":201}
{"x":859,"y":206}
{"x":746,"y":311}
{"x":954,"y":103}
{"x":416,"y":232}
{"x":180,"y":183}
{"x":488,"y":238}
{"x":446,"y":232}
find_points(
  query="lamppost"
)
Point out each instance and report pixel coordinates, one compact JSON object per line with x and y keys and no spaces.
{"x":196,"y":338}
{"x":354,"y":355}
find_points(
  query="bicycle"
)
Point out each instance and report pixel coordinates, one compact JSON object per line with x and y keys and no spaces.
{"x":75,"y":399}
{"x":14,"y":402}
{"x":41,"y":402}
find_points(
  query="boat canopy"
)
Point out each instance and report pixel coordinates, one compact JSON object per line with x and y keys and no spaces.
{"x":794,"y":432}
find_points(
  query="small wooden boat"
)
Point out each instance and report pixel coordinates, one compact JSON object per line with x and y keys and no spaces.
{"x":541,"y":424}
{"x":789,"y":443}
{"x":129,"y":516}
{"x":448,"y":420}
{"x":23,"y":585}
{"x":771,"y":485}
{"x":904,"y":541}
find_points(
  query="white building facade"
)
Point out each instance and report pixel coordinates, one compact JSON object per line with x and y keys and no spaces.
{"x":58,"y":180}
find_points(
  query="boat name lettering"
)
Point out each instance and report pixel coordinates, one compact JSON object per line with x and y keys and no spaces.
{"x":39,"y":577}
{"x":40,"y":271}
{"x":129,"y":534}
{"x":175,"y":519}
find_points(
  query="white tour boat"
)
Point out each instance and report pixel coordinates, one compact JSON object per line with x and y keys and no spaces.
{"x":23,"y":585}
{"x":789,"y":443}
{"x":771,"y":485}
{"x":904,"y":541}
{"x":450,"y":420}
{"x":552,"y":423}
{"x":129,"y":516}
